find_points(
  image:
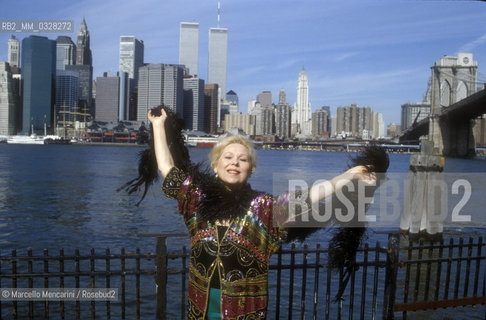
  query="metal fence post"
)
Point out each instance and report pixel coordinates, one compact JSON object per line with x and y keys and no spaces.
{"x":161,"y":277}
{"x":391,"y":275}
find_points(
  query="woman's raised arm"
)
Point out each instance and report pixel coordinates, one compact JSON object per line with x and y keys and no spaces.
{"x":327,"y":188}
{"x":165,"y":162}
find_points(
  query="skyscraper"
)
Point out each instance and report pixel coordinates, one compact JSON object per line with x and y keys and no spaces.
{"x":111,"y":96}
{"x":301,"y":115}
{"x":85,"y":69}
{"x":67,"y":84}
{"x":38,"y":77}
{"x":85,"y":88}
{"x":218,"y":58}
{"x":328,"y":109}
{"x":381,"y":126}
{"x":131,"y":58}
{"x":282,"y":116}
{"x":123,"y":106}
{"x":356,"y":121}
{"x":232,"y":97}
{"x":265,"y":98}
{"x":231,"y":102}
{"x":320,"y":123}
{"x":251,"y":106}
{"x":17,"y":97}
{"x":189,"y":46}
{"x":347,"y":120}
{"x":65,"y":52}
{"x":194,"y":103}
{"x":263,"y":111}
{"x":7,"y":102}
{"x":13,"y":52}
{"x":160,"y":84}
{"x":83,"y":51}
{"x":334,"y":125}
{"x":211,"y":108}
{"x":413,"y":113}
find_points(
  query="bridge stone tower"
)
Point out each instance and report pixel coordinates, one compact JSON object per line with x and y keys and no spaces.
{"x":453,"y":79}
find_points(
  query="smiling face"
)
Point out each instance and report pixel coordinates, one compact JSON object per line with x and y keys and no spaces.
{"x":234,"y":165}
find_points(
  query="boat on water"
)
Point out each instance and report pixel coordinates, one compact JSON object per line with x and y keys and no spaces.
{"x":35,"y":139}
{"x":32,"y":139}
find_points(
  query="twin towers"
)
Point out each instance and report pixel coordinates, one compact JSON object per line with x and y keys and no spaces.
{"x":218,"y":53}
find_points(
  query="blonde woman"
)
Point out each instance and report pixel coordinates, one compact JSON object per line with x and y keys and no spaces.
{"x":233,"y":229}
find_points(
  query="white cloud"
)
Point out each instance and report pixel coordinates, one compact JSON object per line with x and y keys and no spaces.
{"x":363,"y":81}
{"x":287,"y":63}
{"x":344,"y":56}
{"x":249,"y":71}
{"x":470,"y":46}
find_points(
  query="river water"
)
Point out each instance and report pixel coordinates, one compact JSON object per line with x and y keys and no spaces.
{"x":64,"y":196}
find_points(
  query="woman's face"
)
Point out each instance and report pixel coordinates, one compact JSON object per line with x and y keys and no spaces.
{"x":234,"y":166}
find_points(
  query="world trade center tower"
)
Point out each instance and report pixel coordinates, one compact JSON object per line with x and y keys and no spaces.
{"x":218,"y":58}
{"x":189,"y":46}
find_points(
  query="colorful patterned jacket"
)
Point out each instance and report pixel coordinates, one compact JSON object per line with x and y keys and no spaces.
{"x":241,"y":257}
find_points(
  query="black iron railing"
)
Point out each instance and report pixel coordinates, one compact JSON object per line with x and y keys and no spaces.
{"x":442,"y":275}
{"x":388,"y":280}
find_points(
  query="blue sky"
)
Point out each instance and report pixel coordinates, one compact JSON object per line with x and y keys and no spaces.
{"x":375,"y":53}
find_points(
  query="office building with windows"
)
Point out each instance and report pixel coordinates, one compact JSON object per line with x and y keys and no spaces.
{"x":84,"y":66}
{"x":413,"y":113}
{"x":211,"y":107}
{"x":65,"y":52}
{"x":320,"y":120}
{"x":218,"y":58}
{"x":283,"y":113}
{"x":189,"y":47}
{"x":112,"y":97}
{"x":301,"y":114}
{"x":67,"y":83}
{"x":194,"y":103}
{"x":13,"y":52}
{"x":131,"y":58}
{"x":160,"y":84}
{"x":7,"y":101}
{"x":38,"y":89}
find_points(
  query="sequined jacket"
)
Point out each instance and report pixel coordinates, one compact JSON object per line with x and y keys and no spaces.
{"x":241,"y":257}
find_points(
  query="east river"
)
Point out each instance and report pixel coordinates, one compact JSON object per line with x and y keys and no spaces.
{"x":64,"y":196}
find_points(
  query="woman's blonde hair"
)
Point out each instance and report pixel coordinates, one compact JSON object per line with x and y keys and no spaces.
{"x":230,"y":139}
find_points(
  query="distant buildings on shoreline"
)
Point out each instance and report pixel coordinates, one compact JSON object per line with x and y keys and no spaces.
{"x":48,"y":86}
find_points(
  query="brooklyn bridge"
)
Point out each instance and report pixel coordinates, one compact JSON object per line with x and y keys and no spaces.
{"x":452,"y":128}
{"x":455,"y":104}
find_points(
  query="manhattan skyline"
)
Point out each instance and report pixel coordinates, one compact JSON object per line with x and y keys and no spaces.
{"x":372,"y":53}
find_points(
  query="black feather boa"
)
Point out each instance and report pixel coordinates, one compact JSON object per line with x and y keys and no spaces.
{"x":345,"y":242}
{"x":148,"y":171}
{"x":219,"y":202}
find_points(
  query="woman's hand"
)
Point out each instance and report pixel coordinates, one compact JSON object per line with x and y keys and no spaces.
{"x":363,"y":174}
{"x":157,"y":121}
{"x":162,"y":152}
